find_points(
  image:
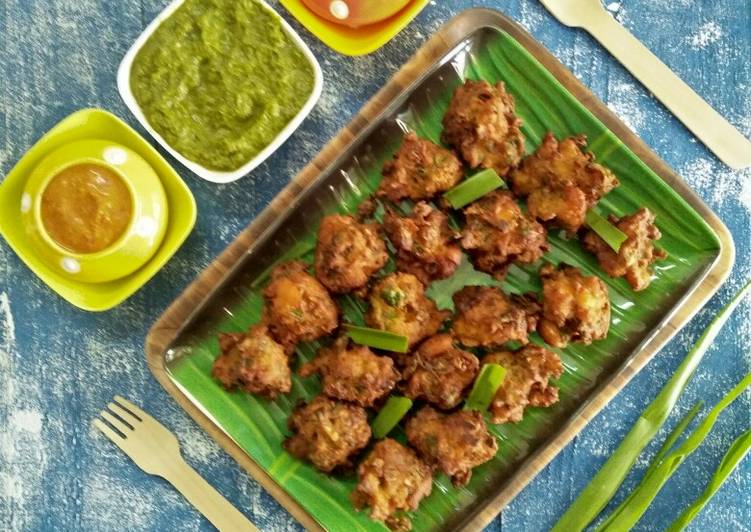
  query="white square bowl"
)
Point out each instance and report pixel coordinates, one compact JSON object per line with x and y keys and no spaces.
{"x":123,"y":85}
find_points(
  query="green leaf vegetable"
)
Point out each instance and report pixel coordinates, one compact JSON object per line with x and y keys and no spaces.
{"x":390,"y":415}
{"x":486,"y":384}
{"x":612,"y":236}
{"x":474,"y":188}
{"x":595,"y":496}
{"x":377,"y":338}
{"x":737,"y":452}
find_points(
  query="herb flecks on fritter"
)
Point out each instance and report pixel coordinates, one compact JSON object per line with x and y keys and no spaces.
{"x":298,"y":308}
{"x":419,"y":170}
{"x":425,"y":244}
{"x":637,"y":253}
{"x":439,"y":372}
{"x":561,"y":181}
{"x":487,"y":317}
{"x":398,"y":304}
{"x":352,"y":373}
{"x":453,"y":443}
{"x":497,"y":234}
{"x":390,"y":479}
{"x":480,"y":123}
{"x":348,"y":253}
{"x":253,"y":362}
{"x":575,"y":307}
{"x":528,"y":372}
{"x":327,"y":433}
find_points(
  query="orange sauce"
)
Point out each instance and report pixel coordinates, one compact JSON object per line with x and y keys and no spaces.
{"x":86,"y":208}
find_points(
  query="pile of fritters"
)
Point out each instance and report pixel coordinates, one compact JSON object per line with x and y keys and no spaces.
{"x":551,"y":188}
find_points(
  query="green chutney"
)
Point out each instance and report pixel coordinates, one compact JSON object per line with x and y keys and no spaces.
{"x":219,"y":79}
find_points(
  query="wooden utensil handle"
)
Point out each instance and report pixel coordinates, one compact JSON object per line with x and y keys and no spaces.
{"x":695,"y":113}
{"x":218,"y":510}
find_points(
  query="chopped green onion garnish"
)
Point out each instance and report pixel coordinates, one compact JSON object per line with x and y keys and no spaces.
{"x":377,"y":338}
{"x":486,"y":384}
{"x":473,"y":188}
{"x":390,"y":415}
{"x":612,"y":236}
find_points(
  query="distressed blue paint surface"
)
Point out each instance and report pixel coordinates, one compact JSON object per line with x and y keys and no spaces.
{"x":59,"y":366}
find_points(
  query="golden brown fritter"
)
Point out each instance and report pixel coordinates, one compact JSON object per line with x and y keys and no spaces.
{"x":480,"y":123}
{"x":439,"y":372}
{"x":488,"y":317}
{"x":575,"y":307}
{"x":561,"y":181}
{"x":528,"y":372}
{"x":253,"y":362}
{"x":637,"y":253}
{"x":398,"y":304}
{"x":352,"y":373}
{"x":419,"y":170}
{"x":424,"y":242}
{"x":348,"y":253}
{"x":453,"y":443}
{"x":327,"y":433}
{"x":497,"y":234}
{"x":298,"y":308}
{"x":392,"y":478}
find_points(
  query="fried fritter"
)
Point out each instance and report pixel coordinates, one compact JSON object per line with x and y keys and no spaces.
{"x":488,"y":317}
{"x":253,"y":362}
{"x":497,"y":234}
{"x":348,"y":253}
{"x":561,"y":181}
{"x":528,"y":372}
{"x":327,"y":433}
{"x":298,"y":308}
{"x":637,"y":253}
{"x":419,"y":170}
{"x":398,"y":304}
{"x":453,"y":443}
{"x":390,"y":479}
{"x":352,"y":373}
{"x":575,"y":307}
{"x":439,"y":372}
{"x":424,"y":242}
{"x":480,"y":123}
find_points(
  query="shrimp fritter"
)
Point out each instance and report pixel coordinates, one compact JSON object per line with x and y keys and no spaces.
{"x":419,"y":170}
{"x":439,"y":372}
{"x":488,"y":317}
{"x":424,"y":242}
{"x":390,"y":479}
{"x":480,"y":123}
{"x":352,"y":373}
{"x":298,"y":307}
{"x":453,"y":443}
{"x":497,"y":234}
{"x":327,"y":432}
{"x":348,"y":253}
{"x":253,"y":362}
{"x":575,"y":307}
{"x":528,"y":372}
{"x":398,"y":304}
{"x":637,"y":253}
{"x":561,"y":181}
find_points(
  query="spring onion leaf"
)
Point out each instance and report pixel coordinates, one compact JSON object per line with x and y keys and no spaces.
{"x":612,"y":236}
{"x":486,"y":384}
{"x":605,"y":483}
{"x":390,"y":415}
{"x":377,"y":338}
{"x":474,"y":188}
{"x":737,"y":452}
{"x":627,"y":515}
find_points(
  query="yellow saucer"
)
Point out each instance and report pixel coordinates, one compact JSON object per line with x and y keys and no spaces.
{"x":354,"y":41}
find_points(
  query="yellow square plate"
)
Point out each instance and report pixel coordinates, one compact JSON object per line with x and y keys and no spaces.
{"x":99,"y":124}
{"x":353,"y":41}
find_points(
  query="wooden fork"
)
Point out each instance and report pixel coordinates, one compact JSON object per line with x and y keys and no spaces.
{"x":156,"y":450}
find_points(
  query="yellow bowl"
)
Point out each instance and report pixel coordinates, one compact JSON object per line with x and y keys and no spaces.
{"x":138,"y":242}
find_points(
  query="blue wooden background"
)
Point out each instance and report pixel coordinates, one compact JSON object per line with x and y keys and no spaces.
{"x":59,"y":365}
